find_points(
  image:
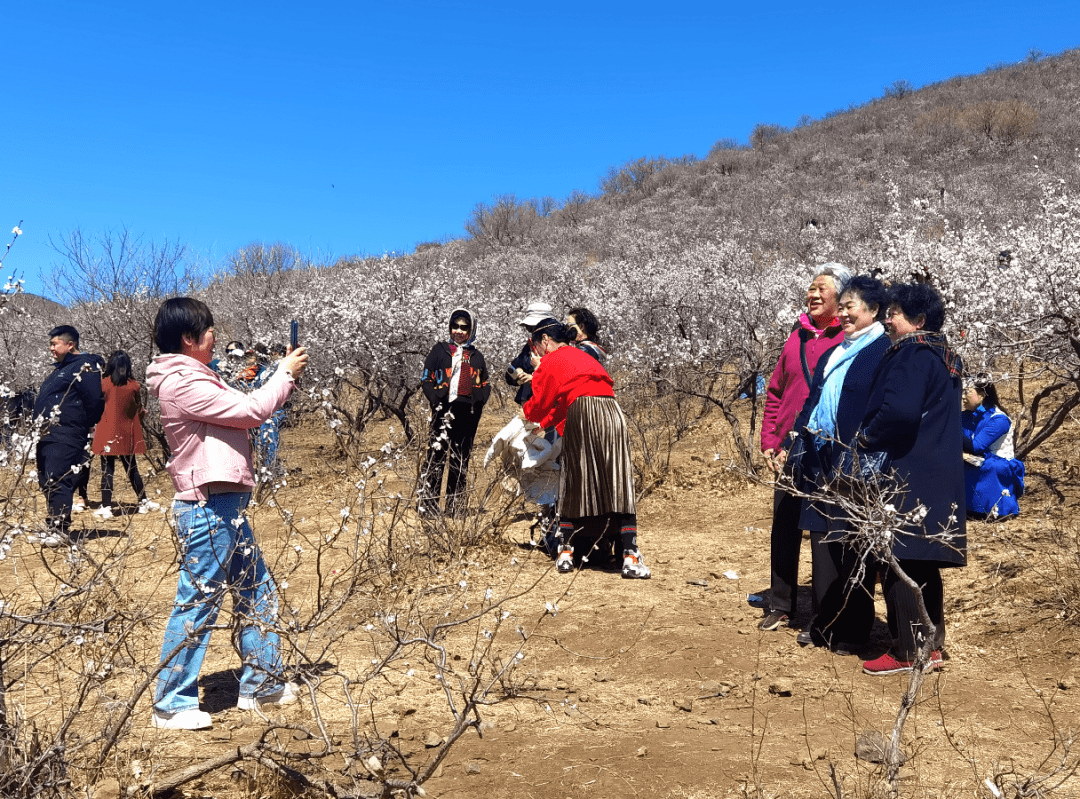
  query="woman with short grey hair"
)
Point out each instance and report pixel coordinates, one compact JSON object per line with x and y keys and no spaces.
{"x":815,"y":333}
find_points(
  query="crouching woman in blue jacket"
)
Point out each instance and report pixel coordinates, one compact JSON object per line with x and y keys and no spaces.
{"x":993,"y":477}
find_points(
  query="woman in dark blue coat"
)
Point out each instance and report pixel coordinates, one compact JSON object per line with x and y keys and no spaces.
{"x":843,"y":588}
{"x":913,"y":414}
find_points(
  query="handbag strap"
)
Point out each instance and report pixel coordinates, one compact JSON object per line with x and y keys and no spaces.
{"x":802,"y":357}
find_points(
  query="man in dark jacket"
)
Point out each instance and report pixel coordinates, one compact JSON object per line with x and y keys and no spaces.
{"x":68,"y":406}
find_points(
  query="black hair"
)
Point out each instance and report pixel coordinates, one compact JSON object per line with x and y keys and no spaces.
{"x":586,"y":321}
{"x":871,"y":291}
{"x":919,"y":299}
{"x":118,"y":369}
{"x":556,"y":331}
{"x":543,"y":324}
{"x":982,"y":384}
{"x":179,"y":317}
{"x":66,"y":332}
{"x":461,"y":315}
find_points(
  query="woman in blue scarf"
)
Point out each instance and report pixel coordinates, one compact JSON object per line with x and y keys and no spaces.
{"x":843,"y":608}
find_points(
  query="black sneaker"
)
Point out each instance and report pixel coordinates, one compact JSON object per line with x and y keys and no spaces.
{"x":772,"y":621}
{"x":809,"y":638}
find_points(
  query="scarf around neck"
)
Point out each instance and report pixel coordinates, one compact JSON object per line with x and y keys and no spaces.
{"x":806,"y":323}
{"x":937,"y":343}
{"x":823,"y":418}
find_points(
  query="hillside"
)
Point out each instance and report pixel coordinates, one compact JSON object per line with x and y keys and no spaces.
{"x":972,"y":146}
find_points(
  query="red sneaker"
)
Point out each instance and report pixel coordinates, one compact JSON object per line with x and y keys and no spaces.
{"x":887,"y":664}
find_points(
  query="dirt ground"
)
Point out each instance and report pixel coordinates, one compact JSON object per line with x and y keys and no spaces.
{"x":666,"y":688}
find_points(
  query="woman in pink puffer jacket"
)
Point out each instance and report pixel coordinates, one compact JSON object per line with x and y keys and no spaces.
{"x":206,"y":423}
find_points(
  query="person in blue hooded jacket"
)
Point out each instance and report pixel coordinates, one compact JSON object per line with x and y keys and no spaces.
{"x":993,"y":476}
{"x":455,"y":382}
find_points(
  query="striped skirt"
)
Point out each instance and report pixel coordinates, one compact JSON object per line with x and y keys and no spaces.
{"x":597,"y":471}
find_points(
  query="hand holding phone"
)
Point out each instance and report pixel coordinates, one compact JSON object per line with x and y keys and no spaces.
{"x":296,"y":359}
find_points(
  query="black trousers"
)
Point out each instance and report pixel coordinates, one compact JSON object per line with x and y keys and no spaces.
{"x":453,"y":431}
{"x":901,"y":602}
{"x":57,"y":479}
{"x":845,"y":597}
{"x":108,"y":468}
{"x":785,"y":541}
{"x":594,"y":537}
{"x":82,"y":479}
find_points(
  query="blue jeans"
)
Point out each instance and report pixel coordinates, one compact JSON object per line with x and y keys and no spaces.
{"x":218,"y":556}
{"x":267,"y":438}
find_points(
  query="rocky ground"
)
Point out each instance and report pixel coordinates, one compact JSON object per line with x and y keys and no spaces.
{"x":666,"y":688}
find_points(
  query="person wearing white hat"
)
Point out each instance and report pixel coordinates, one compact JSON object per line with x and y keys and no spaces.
{"x":519,"y":373}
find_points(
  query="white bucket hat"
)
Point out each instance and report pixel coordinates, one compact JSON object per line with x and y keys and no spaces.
{"x":535,"y":313}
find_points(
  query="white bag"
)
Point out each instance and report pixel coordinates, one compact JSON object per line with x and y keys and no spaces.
{"x":529,"y":460}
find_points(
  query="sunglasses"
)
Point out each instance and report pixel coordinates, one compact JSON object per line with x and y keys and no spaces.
{"x":460,"y":326}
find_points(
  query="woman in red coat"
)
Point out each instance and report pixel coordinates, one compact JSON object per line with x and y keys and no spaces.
{"x":119,"y":433}
{"x":573,"y":393}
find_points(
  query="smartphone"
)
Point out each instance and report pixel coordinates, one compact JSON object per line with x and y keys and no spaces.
{"x":294,"y":334}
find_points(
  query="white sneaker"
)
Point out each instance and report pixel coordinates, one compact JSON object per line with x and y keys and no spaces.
{"x":77,"y":505}
{"x":632,"y":566}
{"x":50,"y":540}
{"x":104,"y":512}
{"x":565,"y":562}
{"x":191,"y":719}
{"x":287,"y":694}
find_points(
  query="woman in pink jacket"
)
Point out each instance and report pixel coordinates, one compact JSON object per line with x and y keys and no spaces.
{"x":817,"y":331}
{"x":206,"y":423}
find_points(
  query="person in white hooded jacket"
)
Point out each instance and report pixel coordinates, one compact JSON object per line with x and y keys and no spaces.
{"x":206,"y":423}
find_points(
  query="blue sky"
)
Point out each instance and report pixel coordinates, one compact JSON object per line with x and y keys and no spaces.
{"x":356,"y":128}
